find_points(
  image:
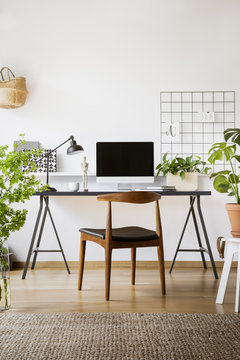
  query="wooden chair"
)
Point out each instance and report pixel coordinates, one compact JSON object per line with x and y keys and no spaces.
{"x":126,"y":237}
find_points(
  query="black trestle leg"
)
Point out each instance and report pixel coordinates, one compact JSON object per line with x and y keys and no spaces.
{"x":39,"y":238}
{"x":33,"y":239}
{"x":183,"y":231}
{"x":55,"y":230}
{"x":198,"y":236}
{"x":36,"y":251}
{"x":206,"y":238}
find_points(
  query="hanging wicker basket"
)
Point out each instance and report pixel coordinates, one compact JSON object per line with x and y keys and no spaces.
{"x":13,"y":92}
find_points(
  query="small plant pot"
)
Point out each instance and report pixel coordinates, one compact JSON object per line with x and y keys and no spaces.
{"x":189,"y":183}
{"x":234,"y":217}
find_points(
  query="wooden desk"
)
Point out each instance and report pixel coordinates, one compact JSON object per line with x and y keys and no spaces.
{"x":194,"y":199}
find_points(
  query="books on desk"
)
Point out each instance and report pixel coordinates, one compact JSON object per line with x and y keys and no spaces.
{"x":157,"y":188}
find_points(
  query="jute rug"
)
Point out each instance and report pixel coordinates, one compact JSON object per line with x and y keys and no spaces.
{"x":118,"y":336}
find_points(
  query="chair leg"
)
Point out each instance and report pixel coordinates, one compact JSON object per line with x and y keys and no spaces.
{"x":161,"y":268}
{"x":108,"y":258}
{"x":237,"y":307}
{"x":81,"y":263}
{"x":133,"y":265}
{"x":225,"y":273}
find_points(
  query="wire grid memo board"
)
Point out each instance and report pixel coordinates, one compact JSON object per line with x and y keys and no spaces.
{"x":191,"y":121}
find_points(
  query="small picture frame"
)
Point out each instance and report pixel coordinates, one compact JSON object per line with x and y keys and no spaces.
{"x":208,"y":116}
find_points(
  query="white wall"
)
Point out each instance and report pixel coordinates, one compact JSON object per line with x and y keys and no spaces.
{"x":95,"y":69}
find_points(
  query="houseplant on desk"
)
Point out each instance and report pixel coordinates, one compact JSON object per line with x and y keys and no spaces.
{"x":182,"y":172}
{"x":16,"y":186}
{"x":227,"y":181}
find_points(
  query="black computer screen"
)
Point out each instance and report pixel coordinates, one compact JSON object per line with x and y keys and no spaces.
{"x":125,"y":159}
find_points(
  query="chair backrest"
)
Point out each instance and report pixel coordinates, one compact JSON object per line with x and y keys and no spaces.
{"x":136,"y":197}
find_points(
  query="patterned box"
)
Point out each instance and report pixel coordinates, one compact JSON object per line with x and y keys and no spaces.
{"x":41,"y":162}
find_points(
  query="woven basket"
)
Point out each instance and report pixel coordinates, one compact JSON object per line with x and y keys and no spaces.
{"x":13,"y":92}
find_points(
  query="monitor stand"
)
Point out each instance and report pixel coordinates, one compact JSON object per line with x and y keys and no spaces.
{"x":124,"y":187}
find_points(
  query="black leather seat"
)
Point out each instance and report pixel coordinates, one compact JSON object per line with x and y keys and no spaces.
{"x":128,"y":233}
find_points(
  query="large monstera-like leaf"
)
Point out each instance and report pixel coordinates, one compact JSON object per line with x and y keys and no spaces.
{"x":233,"y":134}
{"x":221,"y":184}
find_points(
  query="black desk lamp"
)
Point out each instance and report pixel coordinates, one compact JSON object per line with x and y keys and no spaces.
{"x":74,"y":148}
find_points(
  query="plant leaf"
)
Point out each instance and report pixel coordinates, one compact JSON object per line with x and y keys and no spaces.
{"x":164,"y":157}
{"x":216,"y":155}
{"x":182,"y":175}
{"x":221,"y":184}
{"x":223,"y":172}
{"x":237,"y":157}
{"x":233,"y":133}
{"x":233,"y":178}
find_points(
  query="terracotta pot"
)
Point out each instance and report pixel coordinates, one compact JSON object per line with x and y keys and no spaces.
{"x":234,"y":217}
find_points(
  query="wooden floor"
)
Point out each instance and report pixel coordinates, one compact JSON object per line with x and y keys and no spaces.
{"x":53,"y":290}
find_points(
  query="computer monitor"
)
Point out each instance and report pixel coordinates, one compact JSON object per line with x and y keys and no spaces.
{"x":125,"y":162}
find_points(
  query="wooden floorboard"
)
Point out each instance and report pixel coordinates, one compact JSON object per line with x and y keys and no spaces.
{"x":53,"y":290}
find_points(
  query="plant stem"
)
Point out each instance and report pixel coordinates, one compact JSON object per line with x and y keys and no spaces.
{"x":236,"y":186}
{"x":5,"y":281}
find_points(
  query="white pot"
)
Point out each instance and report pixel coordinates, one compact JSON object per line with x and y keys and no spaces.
{"x":189,"y":183}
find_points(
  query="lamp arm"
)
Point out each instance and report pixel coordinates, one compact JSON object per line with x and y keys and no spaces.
{"x":70,"y":138}
{"x":50,"y":152}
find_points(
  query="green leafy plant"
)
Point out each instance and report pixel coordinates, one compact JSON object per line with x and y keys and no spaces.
{"x":181,"y":165}
{"x":16,"y":186}
{"x":226,"y":181}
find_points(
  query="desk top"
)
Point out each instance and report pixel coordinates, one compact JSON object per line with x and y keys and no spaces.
{"x":95,"y":193}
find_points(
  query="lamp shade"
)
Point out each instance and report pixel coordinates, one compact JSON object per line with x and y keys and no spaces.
{"x":74,"y":148}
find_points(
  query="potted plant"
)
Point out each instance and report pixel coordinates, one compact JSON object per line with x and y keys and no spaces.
{"x":182,"y":173}
{"x":227,"y":181}
{"x":16,"y":186}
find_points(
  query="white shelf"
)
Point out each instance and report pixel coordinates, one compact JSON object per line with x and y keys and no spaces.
{"x":63,"y":173}
{"x":58,"y":174}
